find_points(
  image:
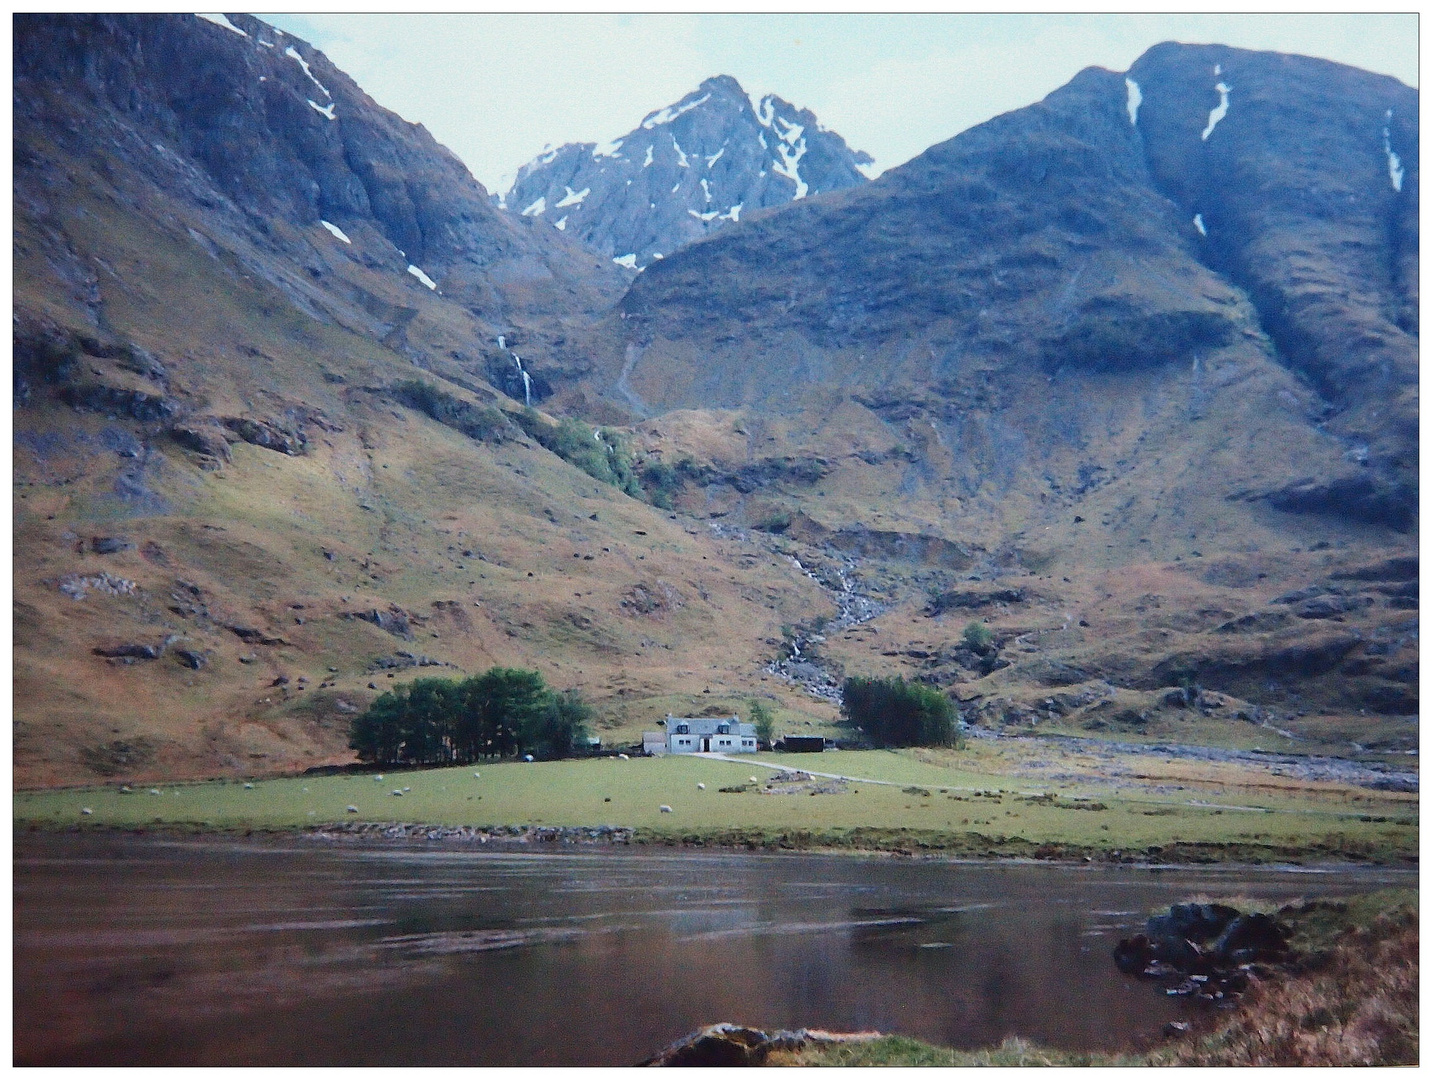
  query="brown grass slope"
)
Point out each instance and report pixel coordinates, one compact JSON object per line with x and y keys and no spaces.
{"x":208,"y":389}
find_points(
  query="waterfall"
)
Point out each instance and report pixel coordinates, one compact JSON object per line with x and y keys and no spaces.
{"x":526,"y":381}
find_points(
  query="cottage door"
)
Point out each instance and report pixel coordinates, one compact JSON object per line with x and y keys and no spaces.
{"x":706,"y":746}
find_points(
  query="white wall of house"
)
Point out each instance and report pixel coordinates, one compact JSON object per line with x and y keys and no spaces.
{"x":714,"y":735}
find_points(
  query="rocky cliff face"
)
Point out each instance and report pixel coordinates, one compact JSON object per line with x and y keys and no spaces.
{"x":291,"y":162}
{"x":1299,"y":178}
{"x":685,"y":171}
{"x":1097,"y":235}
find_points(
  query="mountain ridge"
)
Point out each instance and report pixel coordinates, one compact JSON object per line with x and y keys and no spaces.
{"x":683,"y":171}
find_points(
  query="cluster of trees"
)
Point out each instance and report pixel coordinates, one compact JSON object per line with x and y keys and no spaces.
{"x":893,"y":712}
{"x":503,"y":712}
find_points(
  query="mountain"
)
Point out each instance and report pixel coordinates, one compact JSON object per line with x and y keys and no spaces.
{"x":1127,"y":376}
{"x":269,"y":450}
{"x":1152,"y":337}
{"x":685,"y":171}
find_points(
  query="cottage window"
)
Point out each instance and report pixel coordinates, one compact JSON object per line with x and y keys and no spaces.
{"x":683,"y":729}
{"x":723,"y":729}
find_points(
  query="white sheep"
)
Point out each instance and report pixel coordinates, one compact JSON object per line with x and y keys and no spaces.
{"x":86,"y":810}
{"x":247,"y":787}
{"x":397,"y":791}
{"x":477,"y":776}
{"x":154,"y":791}
{"x":753,"y":779}
{"x":353,"y":809}
{"x":664,"y":808}
{"x":378,"y":777}
{"x":700,"y":787}
{"x":623,"y":757}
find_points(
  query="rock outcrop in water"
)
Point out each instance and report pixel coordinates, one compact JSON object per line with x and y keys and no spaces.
{"x":1209,"y":949}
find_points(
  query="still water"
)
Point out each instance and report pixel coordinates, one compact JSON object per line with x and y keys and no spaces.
{"x":141,"y":951}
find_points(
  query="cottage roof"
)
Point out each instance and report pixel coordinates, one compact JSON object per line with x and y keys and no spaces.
{"x":707,"y":725}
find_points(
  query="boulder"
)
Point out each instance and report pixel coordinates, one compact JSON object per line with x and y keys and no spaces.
{"x":131,"y":651}
{"x":727,"y":1045}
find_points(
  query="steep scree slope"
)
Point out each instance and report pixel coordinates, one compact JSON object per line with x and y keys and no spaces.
{"x":685,"y":171}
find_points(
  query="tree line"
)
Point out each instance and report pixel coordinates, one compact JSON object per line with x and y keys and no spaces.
{"x":893,"y":712}
{"x":504,"y":712}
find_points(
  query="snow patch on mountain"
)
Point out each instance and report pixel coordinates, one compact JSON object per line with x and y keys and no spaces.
{"x":293,"y":54}
{"x":1219,"y":112}
{"x":671,"y":112}
{"x":219,"y":20}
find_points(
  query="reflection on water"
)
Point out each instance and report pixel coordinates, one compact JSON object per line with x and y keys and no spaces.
{"x":136,"y":951}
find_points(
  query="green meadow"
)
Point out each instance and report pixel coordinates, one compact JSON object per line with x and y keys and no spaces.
{"x":977,"y":802}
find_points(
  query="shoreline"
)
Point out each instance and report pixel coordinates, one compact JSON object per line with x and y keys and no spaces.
{"x":894,"y":843}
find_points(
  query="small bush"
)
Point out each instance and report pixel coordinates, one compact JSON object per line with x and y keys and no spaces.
{"x":764,"y":721}
{"x":978,"y":637}
{"x":774,"y":523}
{"x":661,"y":483}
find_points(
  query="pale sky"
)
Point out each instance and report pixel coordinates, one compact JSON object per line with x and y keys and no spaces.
{"x":497,"y":89}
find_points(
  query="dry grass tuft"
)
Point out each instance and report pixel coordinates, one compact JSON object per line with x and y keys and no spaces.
{"x":1353,"y":1005}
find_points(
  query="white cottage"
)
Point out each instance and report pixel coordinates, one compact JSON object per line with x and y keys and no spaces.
{"x":709,"y":734}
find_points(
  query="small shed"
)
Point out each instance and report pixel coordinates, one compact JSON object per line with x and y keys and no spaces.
{"x":803,"y":744}
{"x":653,"y":743}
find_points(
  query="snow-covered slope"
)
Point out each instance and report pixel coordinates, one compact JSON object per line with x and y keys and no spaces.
{"x":684,"y":171}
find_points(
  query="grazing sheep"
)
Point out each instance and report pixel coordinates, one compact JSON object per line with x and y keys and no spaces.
{"x":477,"y":776}
{"x":86,"y":810}
{"x":378,"y":777}
{"x":664,"y":808}
{"x":397,"y":791}
{"x":526,"y":757}
{"x":623,"y":757}
{"x":154,"y":791}
{"x":353,"y":809}
{"x":753,"y":779}
{"x":247,"y":787}
{"x":700,"y":787}
{"x":126,"y":790}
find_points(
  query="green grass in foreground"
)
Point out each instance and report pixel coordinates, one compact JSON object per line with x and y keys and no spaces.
{"x":944,"y":802}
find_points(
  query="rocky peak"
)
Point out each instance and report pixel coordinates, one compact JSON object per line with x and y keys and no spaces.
{"x":685,"y":171}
